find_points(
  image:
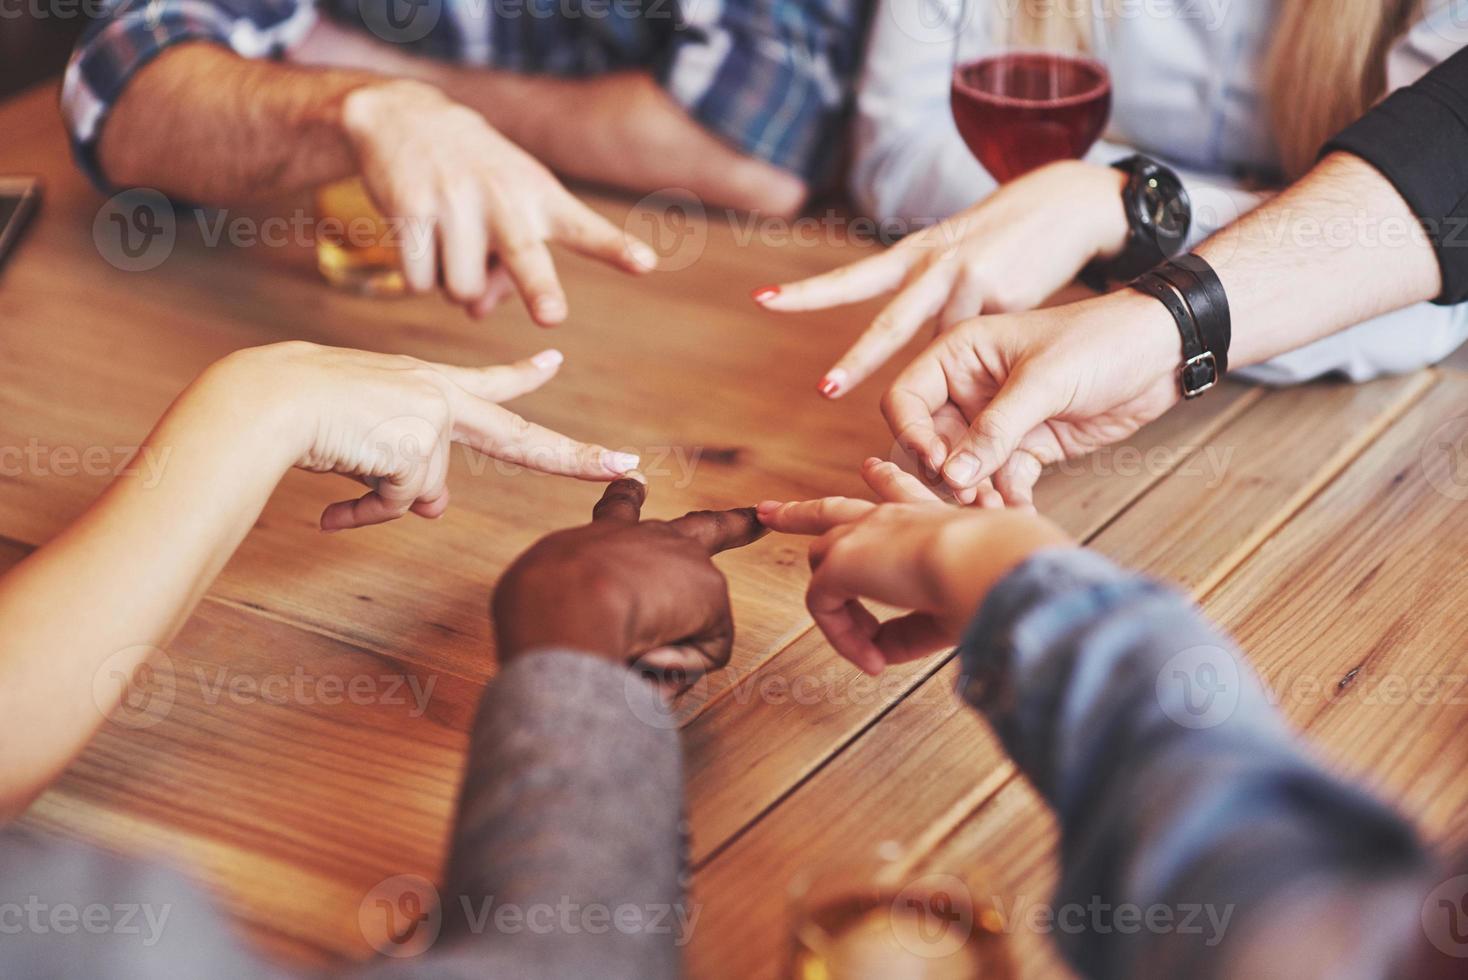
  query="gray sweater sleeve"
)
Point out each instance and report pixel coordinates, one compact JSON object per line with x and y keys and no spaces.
{"x":565,"y":862}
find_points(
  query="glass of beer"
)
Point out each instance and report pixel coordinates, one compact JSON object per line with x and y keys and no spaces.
{"x":356,"y":247}
{"x":877,"y":921}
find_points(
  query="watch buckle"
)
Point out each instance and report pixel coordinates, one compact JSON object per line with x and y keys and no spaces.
{"x":1205,"y":358}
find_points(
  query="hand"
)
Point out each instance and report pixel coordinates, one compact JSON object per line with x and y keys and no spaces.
{"x":633,"y":591}
{"x":914,"y":552}
{"x":477,"y":207}
{"x":388,"y":422}
{"x":1000,"y":397}
{"x":1006,"y":254}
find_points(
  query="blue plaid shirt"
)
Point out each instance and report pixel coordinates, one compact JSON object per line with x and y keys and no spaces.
{"x":771,"y":77}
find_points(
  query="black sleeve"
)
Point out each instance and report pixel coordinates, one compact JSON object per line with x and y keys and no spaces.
{"x":1418,"y":138}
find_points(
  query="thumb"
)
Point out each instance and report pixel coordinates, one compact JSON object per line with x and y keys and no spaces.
{"x":1025,"y":402}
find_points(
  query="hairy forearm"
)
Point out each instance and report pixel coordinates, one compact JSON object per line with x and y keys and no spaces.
{"x":210,"y":127}
{"x":1338,"y":248}
{"x":624,"y":131}
{"x":78,"y":616}
{"x":620,"y":130}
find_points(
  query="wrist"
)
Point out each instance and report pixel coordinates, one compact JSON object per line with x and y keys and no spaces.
{"x":975,"y":552}
{"x":1105,"y":213}
{"x":256,"y":406}
{"x":367,"y":111}
{"x":1137,"y":328}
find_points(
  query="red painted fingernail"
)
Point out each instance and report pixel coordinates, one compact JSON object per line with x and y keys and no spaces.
{"x":831,"y":384}
{"x":765,"y":293}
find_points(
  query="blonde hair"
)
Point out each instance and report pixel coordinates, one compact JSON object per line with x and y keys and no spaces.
{"x":1326,"y":67}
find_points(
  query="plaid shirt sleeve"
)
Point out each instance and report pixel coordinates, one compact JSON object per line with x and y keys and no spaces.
{"x":772,"y":77}
{"x":132,"y":33}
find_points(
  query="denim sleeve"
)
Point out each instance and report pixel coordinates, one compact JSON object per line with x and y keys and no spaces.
{"x":131,"y":33}
{"x":1181,"y":795}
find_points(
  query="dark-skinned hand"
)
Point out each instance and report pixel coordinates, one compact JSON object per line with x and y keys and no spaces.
{"x":640,"y":593}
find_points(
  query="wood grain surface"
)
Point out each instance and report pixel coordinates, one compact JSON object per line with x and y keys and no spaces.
{"x":1334,"y":518}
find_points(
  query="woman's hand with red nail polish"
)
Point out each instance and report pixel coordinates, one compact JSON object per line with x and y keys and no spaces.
{"x":1007,"y":253}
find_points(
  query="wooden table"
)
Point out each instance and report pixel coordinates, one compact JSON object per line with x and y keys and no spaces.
{"x":1336,"y":519}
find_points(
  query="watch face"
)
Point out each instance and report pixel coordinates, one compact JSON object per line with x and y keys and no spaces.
{"x":1166,"y":206}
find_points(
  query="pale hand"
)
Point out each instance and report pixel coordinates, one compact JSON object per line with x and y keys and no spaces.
{"x":478,"y":211}
{"x":914,"y":552}
{"x":991,"y":402}
{"x":1006,"y":254}
{"x":390,"y":423}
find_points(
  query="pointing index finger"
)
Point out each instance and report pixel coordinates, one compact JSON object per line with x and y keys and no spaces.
{"x":721,"y":530}
{"x":622,"y":501}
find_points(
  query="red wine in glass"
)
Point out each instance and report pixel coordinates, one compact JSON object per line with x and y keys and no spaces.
{"x":1021,"y":110}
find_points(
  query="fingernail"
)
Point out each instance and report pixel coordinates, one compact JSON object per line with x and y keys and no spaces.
{"x":962,"y":469}
{"x":635,"y":474}
{"x":644,"y":256}
{"x":550,"y":310}
{"x":765,"y":293}
{"x":548,"y":359}
{"x":832,"y":382}
{"x":767,"y":507}
{"x":871,"y":461}
{"x":624,"y":463}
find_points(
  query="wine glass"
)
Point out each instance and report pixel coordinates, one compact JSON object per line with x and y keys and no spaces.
{"x":1030,"y":82}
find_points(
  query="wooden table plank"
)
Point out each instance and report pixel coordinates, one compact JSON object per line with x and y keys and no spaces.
{"x":881,"y":787}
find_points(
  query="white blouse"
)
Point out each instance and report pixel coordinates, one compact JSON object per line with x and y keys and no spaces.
{"x":1186,"y":90}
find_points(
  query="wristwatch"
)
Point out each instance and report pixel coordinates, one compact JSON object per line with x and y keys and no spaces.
{"x":1159,"y":214}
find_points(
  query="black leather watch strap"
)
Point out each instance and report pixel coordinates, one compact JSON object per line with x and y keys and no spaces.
{"x":1199,"y":371}
{"x":1201,"y":285}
